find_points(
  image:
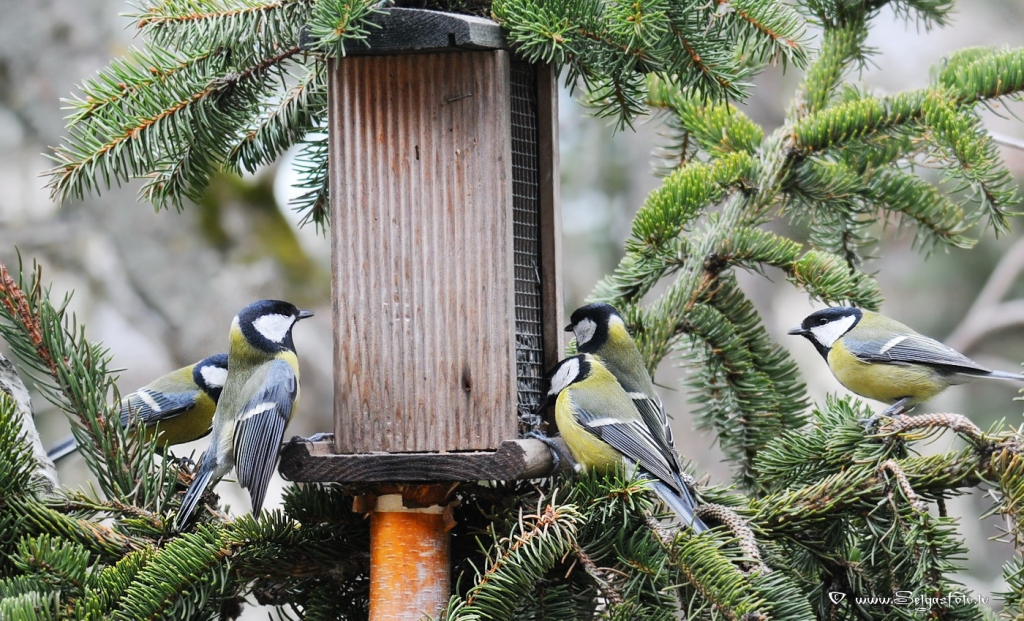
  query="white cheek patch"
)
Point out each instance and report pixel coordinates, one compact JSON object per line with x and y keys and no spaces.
{"x":832,"y":331}
{"x":274,"y":327}
{"x":584,"y":331}
{"x":214,"y":376}
{"x":564,"y":376}
{"x":257,"y":410}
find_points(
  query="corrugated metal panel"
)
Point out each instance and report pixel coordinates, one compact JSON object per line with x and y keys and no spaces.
{"x":422,"y":233}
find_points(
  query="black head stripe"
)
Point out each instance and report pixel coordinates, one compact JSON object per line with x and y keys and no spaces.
{"x":830,"y":314}
{"x":600,"y":313}
{"x":220,"y":361}
{"x":262,"y":308}
{"x":824,"y":317}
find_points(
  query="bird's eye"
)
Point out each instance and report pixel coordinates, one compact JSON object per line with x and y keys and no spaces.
{"x":822,"y":321}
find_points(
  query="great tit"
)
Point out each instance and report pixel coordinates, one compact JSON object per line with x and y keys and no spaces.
{"x":259,"y":396}
{"x":600,"y":331}
{"x":882,"y":359}
{"x":602,"y":427}
{"x":177,"y":407}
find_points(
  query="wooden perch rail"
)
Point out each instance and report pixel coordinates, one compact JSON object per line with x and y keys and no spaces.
{"x":514,"y":459}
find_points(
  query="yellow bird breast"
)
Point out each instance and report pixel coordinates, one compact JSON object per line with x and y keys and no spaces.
{"x":887,"y":383}
{"x":587,"y":449}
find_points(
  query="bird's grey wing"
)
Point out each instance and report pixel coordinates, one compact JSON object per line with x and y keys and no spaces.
{"x":153,"y":406}
{"x":653,"y":415}
{"x":632,"y":438}
{"x":259,"y":428}
{"x":913,"y":349}
{"x":66,"y":446}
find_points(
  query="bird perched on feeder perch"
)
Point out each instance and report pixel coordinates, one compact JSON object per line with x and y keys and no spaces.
{"x":603,"y":428}
{"x":259,"y":396}
{"x":600,"y":330}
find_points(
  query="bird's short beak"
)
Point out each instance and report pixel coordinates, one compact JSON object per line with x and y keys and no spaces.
{"x":797,"y":331}
{"x":568,"y":328}
{"x":305,"y":314}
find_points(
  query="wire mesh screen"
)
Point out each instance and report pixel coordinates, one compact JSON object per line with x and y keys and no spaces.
{"x":526,"y":231}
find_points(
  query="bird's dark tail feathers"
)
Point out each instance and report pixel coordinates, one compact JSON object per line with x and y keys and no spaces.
{"x":66,"y":447}
{"x":1013,"y":377}
{"x":194,"y":493}
{"x":683,"y":504}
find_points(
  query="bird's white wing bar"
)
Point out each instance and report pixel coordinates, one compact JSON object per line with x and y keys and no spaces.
{"x":151,"y":406}
{"x":633,"y":439}
{"x":259,"y":430}
{"x":913,"y":349}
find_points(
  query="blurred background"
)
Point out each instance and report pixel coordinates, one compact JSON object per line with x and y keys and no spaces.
{"x":160,"y":289}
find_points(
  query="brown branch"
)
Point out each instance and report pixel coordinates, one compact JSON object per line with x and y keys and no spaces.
{"x":761,"y":27}
{"x":14,"y":299}
{"x":740,"y":529}
{"x":901,"y":479}
{"x":159,"y":75}
{"x":542,"y":521}
{"x":958,"y":423}
{"x":605,"y":588}
{"x":986,"y":314}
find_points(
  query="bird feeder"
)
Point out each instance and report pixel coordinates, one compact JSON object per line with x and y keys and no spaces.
{"x":447,"y":301}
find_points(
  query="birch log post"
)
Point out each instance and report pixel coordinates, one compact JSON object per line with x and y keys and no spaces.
{"x":45,"y":475}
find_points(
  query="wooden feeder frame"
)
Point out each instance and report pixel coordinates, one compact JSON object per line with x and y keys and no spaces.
{"x":469,"y":436}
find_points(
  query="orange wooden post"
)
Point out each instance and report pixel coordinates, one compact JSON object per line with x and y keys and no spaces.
{"x":410,"y":568}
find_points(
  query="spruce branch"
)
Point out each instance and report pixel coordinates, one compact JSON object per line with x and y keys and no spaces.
{"x":767,"y":31}
{"x":183,"y":579}
{"x":892,"y":467}
{"x":335,"y":23}
{"x":247,"y":27}
{"x":284,"y":123}
{"x":311,"y":163}
{"x":840,"y":47}
{"x":73,"y":374}
{"x":744,"y":535}
{"x":537,"y":542}
{"x":958,"y":423}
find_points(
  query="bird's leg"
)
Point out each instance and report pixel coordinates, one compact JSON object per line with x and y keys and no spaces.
{"x":896,"y":410}
{"x":557,"y":454}
{"x":180,"y":462}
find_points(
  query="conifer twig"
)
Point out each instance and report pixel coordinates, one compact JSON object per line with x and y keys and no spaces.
{"x":958,"y":423}
{"x":740,"y":529}
{"x":901,"y":478}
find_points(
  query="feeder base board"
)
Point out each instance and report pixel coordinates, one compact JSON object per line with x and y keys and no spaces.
{"x":317,"y":461}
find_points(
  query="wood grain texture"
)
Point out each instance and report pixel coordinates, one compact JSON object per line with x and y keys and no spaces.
{"x":422,"y":247}
{"x":515,"y":459}
{"x":550,"y":224}
{"x":410,"y":573}
{"x":550,"y":215}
